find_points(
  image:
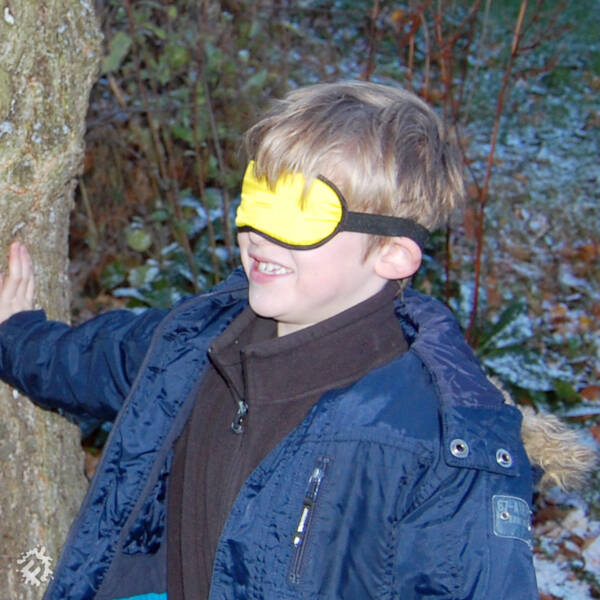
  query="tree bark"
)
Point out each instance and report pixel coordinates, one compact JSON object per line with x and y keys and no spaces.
{"x":49,"y":56}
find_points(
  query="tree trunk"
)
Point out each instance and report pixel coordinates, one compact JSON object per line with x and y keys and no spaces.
{"x":49,"y":54}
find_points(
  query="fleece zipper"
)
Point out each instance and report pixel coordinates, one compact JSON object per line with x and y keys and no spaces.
{"x":237,"y":424}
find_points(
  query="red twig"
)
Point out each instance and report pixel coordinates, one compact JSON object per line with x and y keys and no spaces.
{"x":370,"y":64}
{"x":483,"y":192}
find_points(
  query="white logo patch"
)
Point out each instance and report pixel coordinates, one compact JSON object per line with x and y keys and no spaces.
{"x":512,"y":518}
{"x":36,"y":566}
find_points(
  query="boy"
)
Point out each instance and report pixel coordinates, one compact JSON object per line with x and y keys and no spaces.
{"x":328,"y":441}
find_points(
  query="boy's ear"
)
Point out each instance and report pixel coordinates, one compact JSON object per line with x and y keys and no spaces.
{"x":398,"y":259}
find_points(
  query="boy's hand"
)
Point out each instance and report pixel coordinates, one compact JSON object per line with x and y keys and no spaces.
{"x":16,"y":288}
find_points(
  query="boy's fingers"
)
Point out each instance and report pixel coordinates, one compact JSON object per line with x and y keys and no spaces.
{"x":20,"y":272}
{"x":13,"y":277}
{"x":15,"y":261}
{"x":29,"y":292}
{"x":26,"y":269}
{"x":22,"y":251}
{"x":18,"y":285}
{"x":26,"y":262}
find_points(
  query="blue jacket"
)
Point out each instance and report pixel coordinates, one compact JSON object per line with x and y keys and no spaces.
{"x":411,"y":483}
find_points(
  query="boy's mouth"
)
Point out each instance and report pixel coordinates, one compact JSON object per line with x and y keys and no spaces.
{"x":262,"y":269}
{"x":270,"y":268}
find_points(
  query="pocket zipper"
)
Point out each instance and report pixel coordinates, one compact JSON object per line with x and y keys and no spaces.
{"x":299,"y":540}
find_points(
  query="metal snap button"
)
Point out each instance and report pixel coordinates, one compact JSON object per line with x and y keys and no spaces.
{"x":505,"y":515}
{"x":459,"y":448}
{"x":504,"y":458}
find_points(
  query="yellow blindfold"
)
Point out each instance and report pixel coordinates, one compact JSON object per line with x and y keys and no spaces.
{"x":282,"y":216}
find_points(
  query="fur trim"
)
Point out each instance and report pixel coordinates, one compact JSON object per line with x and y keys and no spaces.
{"x":558,"y":449}
{"x":555,"y":447}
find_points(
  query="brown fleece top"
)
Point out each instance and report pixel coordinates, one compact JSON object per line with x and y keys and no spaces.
{"x":280,"y":379}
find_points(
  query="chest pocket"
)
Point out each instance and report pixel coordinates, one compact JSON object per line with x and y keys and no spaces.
{"x":146,"y":534}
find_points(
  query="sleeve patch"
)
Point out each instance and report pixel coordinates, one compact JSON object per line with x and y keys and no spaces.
{"x":512,"y":518}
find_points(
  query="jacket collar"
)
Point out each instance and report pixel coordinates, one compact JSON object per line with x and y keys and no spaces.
{"x":478,"y":429}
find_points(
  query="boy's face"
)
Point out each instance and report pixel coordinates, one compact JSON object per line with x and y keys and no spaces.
{"x":299,"y":288}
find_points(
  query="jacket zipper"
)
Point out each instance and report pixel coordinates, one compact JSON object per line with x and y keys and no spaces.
{"x":300,"y":538}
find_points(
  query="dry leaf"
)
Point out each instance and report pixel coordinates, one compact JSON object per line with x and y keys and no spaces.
{"x":591,"y":393}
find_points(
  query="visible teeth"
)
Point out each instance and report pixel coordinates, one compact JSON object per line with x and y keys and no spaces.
{"x":272,"y":268}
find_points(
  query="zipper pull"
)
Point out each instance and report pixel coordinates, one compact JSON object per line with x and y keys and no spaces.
{"x":301,"y":528}
{"x":299,"y":538}
{"x":237,"y":425}
{"x":314,"y":483}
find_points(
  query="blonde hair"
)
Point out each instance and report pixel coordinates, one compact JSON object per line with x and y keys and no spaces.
{"x":383,"y":147}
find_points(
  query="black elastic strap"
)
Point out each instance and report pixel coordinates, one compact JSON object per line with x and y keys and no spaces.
{"x":384,"y":225}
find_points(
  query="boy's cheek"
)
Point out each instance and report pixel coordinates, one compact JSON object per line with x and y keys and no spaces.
{"x":242,"y":240}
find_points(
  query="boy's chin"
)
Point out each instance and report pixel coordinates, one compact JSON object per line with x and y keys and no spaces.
{"x":261,"y":308}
